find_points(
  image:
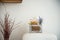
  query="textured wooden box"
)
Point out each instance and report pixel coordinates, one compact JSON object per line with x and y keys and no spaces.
{"x":11,"y":1}
{"x":36,"y":28}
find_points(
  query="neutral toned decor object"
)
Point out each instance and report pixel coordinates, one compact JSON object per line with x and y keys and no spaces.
{"x":35,"y":25}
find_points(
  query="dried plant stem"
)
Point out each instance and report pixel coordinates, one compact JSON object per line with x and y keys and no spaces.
{"x":8,"y":27}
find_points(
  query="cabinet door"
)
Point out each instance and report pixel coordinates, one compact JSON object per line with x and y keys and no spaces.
{"x":11,"y":1}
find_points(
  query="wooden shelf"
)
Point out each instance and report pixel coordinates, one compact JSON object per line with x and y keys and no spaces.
{"x":11,"y":1}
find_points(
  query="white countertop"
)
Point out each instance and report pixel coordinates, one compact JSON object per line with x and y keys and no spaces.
{"x":39,"y":36}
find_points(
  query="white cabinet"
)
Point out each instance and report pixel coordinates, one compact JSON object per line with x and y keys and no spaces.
{"x":39,"y":36}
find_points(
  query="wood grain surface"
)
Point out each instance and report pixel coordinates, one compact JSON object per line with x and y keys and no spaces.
{"x":11,"y":1}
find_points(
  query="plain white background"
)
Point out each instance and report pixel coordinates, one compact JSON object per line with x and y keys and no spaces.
{"x":22,"y":12}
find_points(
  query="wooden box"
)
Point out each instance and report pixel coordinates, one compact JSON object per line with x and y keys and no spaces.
{"x":11,"y":1}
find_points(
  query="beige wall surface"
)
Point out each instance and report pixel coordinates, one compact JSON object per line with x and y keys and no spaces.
{"x":22,"y":12}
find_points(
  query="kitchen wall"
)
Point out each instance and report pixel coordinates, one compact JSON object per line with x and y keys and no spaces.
{"x":22,"y":12}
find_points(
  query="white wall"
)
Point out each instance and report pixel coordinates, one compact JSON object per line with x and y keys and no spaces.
{"x":47,"y":9}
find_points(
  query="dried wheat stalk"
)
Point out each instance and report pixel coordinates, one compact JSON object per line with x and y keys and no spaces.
{"x":7,"y":26}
